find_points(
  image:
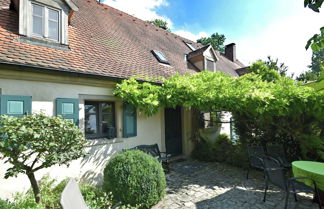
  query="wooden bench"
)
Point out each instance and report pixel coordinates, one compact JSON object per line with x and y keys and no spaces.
{"x":155,"y":152}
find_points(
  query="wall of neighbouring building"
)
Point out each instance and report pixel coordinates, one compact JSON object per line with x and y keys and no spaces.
{"x":44,"y":89}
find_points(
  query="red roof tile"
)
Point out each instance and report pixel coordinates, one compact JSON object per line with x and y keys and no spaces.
{"x":102,"y":41}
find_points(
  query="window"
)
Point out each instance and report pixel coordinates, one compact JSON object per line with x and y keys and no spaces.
{"x":210,"y":65}
{"x":129,"y":120}
{"x":210,"y":119}
{"x":190,"y":46}
{"x":45,"y":22}
{"x":160,"y":56}
{"x":100,"y":120}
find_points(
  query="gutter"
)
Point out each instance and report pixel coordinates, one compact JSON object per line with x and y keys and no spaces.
{"x":55,"y":70}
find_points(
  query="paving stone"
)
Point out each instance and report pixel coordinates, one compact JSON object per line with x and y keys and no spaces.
{"x":198,"y":185}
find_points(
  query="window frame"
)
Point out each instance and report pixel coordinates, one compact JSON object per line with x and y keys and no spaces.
{"x":190,"y":46}
{"x":156,"y":54}
{"x":45,"y":25}
{"x":99,"y":118}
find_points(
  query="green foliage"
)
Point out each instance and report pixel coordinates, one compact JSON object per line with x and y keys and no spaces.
{"x":313,"y":4}
{"x":160,"y":23}
{"x":217,"y":91}
{"x":38,"y":140}
{"x":135,"y":178}
{"x":307,"y":76}
{"x":317,"y":41}
{"x":315,"y":68}
{"x":145,"y":96}
{"x":5,"y":204}
{"x":266,"y":73}
{"x":222,"y":150}
{"x":34,"y":142}
{"x":262,"y":97}
{"x":281,"y":68}
{"x":216,"y":40}
{"x":94,"y":197}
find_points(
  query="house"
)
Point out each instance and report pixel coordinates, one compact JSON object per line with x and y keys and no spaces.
{"x":64,"y":57}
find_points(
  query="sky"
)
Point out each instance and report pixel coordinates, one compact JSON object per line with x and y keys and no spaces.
{"x":276,"y":28}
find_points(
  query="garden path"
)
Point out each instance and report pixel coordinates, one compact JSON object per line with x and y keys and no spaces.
{"x":199,"y":185}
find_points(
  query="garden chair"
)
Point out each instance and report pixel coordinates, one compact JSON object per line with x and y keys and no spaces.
{"x":255,"y":156}
{"x":71,"y":197}
{"x":154,"y":151}
{"x":278,"y":152}
{"x":275,"y":174}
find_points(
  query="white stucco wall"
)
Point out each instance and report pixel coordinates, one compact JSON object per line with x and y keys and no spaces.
{"x":150,"y":130}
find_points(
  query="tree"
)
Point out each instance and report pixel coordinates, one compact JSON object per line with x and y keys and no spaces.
{"x":37,"y":141}
{"x":281,"y":68}
{"x":160,"y":23}
{"x":317,"y":41}
{"x":267,"y":73}
{"x":313,"y":4}
{"x":317,"y":61}
{"x":316,"y":67}
{"x":216,"y":40}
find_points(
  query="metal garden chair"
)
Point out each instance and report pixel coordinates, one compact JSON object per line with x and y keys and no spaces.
{"x":255,"y":156}
{"x":275,"y":174}
{"x":278,"y":152}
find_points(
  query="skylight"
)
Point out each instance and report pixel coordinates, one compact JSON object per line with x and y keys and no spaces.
{"x":160,"y":56}
{"x":190,"y":46}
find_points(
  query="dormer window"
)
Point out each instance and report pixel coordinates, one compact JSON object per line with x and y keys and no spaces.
{"x":210,"y":65}
{"x":45,"y":22}
{"x":160,"y":57}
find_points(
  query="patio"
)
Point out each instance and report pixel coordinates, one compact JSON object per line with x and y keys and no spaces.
{"x":194,"y":184}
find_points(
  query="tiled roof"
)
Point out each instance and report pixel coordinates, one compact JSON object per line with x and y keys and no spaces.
{"x":102,"y":41}
{"x":199,"y":51}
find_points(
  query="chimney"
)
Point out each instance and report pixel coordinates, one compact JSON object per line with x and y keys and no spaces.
{"x":230,"y":51}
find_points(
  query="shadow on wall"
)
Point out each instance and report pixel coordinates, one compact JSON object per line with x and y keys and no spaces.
{"x":98,"y":154}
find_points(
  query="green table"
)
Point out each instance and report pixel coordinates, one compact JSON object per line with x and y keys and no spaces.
{"x":312,"y":170}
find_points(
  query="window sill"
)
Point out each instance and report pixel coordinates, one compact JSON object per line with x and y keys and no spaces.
{"x":43,"y":42}
{"x":103,"y":141}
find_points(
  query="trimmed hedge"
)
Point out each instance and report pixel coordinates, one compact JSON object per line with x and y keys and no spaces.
{"x":135,"y":178}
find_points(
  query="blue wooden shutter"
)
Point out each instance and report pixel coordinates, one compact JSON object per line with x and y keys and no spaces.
{"x":68,"y":109}
{"x":15,"y":105}
{"x":129,"y":120}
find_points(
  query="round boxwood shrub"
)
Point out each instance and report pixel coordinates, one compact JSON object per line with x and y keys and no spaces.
{"x":135,"y":178}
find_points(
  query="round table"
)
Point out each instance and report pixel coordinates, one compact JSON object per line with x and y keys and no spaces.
{"x":312,"y":170}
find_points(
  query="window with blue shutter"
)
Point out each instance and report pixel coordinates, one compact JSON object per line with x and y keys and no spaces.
{"x":68,"y":109}
{"x":15,"y":105}
{"x":129,"y":120}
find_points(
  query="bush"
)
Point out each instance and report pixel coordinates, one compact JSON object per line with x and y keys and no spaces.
{"x":135,"y":178}
{"x":5,"y":204}
{"x":51,"y":192}
{"x":222,"y":150}
{"x":95,"y":197}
